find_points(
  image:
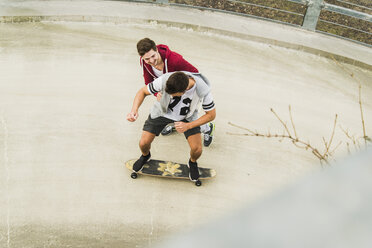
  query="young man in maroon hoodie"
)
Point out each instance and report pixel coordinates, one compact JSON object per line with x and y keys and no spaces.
{"x":159,"y":59}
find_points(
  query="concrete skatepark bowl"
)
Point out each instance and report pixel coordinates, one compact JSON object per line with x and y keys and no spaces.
{"x":68,"y":75}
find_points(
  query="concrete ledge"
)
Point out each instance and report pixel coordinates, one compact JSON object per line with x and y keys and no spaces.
{"x":198,"y":20}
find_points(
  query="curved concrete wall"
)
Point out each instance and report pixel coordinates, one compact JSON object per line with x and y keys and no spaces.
{"x":68,"y":74}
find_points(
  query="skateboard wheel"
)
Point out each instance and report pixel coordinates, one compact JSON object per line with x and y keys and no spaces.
{"x":198,"y":183}
{"x":133,"y":175}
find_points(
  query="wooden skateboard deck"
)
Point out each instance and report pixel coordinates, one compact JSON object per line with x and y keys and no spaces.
{"x":160,"y":168}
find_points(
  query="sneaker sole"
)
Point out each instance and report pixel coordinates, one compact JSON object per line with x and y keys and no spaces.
{"x":213,"y":127}
{"x":211,"y":135}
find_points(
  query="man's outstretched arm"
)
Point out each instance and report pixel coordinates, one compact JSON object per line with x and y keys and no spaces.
{"x":138,"y":99}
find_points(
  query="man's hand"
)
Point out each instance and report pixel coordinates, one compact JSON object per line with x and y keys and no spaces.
{"x":132,"y":116}
{"x":181,"y":126}
{"x":158,"y":96}
{"x":138,"y":99}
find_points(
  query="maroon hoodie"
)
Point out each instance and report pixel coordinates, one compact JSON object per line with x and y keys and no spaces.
{"x":172,"y":62}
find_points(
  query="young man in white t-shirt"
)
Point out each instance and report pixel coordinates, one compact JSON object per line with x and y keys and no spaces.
{"x":182,"y":94}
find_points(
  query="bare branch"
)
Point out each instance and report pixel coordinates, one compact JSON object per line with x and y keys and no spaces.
{"x":348,"y":148}
{"x":365,"y":137}
{"x":325,"y":144}
{"x":331,"y":139}
{"x":241,"y":134}
{"x":234,"y":125}
{"x":328,"y":153}
{"x":293,"y":126}
{"x":332,"y":152}
{"x":361,"y":114}
{"x":296,"y":141}
{"x":351,"y":137}
{"x":285,"y":125}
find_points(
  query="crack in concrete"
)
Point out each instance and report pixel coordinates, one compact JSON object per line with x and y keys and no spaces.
{"x":152,"y":230}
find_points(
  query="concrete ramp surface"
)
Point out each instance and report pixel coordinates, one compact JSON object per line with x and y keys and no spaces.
{"x":68,"y":75}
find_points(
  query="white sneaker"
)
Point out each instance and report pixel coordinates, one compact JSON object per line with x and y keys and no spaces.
{"x":168,"y":130}
{"x":208,"y":136}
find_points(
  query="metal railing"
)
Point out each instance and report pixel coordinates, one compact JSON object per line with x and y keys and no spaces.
{"x":347,"y":19}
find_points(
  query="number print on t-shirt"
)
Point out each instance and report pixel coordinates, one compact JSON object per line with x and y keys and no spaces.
{"x":185,"y":110}
{"x":180,"y":107}
{"x":174,"y":102}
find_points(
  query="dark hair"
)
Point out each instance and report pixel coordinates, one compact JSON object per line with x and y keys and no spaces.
{"x":177,"y":83}
{"x":145,"y":45}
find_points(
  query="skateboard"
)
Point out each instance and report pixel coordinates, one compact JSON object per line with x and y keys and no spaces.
{"x":160,"y":168}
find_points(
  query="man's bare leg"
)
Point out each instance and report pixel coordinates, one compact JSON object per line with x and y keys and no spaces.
{"x":145,"y":143}
{"x":196,"y":150}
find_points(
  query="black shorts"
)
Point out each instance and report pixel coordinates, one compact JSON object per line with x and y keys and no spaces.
{"x":156,"y":125}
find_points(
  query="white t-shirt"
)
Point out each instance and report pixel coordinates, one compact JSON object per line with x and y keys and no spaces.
{"x":157,"y":72}
{"x":179,"y":107}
